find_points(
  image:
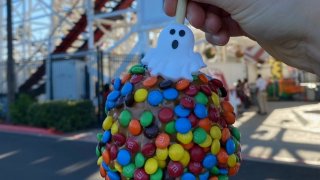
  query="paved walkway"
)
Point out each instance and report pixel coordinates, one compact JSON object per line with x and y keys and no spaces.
{"x":290,"y":133}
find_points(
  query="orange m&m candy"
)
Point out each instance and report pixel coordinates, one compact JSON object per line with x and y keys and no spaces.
{"x":226,"y":106}
{"x":234,"y":170}
{"x":107,"y":178}
{"x":188,"y":146}
{"x":205,"y":124}
{"x":182,"y":84}
{"x":229,"y":117}
{"x":135,"y":127}
{"x":106,"y":156}
{"x":225,"y":134}
{"x":203,"y":78}
{"x":150,"y":81}
{"x":222,"y":156}
{"x":125,"y":78}
{"x":103,"y":173}
{"x":162,"y":140}
{"x":214,"y":178}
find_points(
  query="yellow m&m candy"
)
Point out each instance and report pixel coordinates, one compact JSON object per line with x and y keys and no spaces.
{"x":99,"y":161}
{"x":140,"y":95}
{"x":215,"y":132}
{"x":114,"y":128}
{"x":232,"y":160}
{"x":215,"y":99}
{"x":176,"y":152}
{"x":185,"y":159}
{"x":107,"y":123}
{"x":118,"y":167}
{"x":185,"y":138}
{"x":162,"y":154}
{"x":151,"y":166}
{"x":207,"y":142}
{"x":162,"y":164}
{"x":215,"y":147}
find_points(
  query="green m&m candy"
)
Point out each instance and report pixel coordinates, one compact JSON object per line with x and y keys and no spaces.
{"x":139,"y":160}
{"x":170,"y":128}
{"x":236,"y":133}
{"x":199,"y":135}
{"x":157,"y":175}
{"x":99,"y":136}
{"x":215,"y":170}
{"x":137,"y":69}
{"x":98,"y":153}
{"x":125,"y":118}
{"x":128,"y":170}
{"x":146,"y":118}
{"x":201,"y":98}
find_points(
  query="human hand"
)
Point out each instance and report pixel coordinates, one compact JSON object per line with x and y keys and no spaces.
{"x":287,"y":29}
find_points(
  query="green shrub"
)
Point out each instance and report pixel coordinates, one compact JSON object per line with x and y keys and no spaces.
{"x":62,"y":115}
{"x":19,"y":109}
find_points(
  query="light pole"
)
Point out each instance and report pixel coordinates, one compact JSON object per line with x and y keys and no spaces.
{"x":10,"y":62}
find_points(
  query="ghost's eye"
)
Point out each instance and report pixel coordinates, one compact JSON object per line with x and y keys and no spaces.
{"x":172,"y":31}
{"x":182,"y":33}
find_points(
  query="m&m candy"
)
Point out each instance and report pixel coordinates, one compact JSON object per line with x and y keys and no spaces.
{"x":123,"y":157}
{"x":157,"y":128}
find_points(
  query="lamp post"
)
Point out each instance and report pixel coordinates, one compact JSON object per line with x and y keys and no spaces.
{"x":10,"y":61}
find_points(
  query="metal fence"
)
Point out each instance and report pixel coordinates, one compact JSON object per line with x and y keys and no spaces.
{"x":116,"y":64}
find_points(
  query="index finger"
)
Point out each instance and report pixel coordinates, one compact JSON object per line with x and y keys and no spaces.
{"x":170,"y":7}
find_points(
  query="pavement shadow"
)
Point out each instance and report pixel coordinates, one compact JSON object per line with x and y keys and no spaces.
{"x":285,"y":135}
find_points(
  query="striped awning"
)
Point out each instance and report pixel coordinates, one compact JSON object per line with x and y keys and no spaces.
{"x":256,"y":54}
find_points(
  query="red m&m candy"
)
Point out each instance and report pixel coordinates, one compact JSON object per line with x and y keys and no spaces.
{"x":175,"y":169}
{"x":148,"y":149}
{"x":132,"y":145}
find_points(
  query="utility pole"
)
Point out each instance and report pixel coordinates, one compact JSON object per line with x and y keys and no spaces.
{"x":10,"y":61}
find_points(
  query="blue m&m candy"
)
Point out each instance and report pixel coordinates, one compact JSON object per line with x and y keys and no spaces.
{"x":230,"y":146}
{"x":170,"y":94}
{"x":117,"y":84}
{"x":105,"y":166}
{"x":180,"y":111}
{"x":113,"y":175}
{"x":209,"y":161}
{"x":188,"y":176}
{"x":123,"y":157}
{"x":223,"y":171}
{"x":126,"y":89}
{"x":106,"y":137}
{"x":183,"y":125}
{"x":113,"y":95}
{"x":155,"y":98}
{"x":109,"y":105}
{"x":204,"y":176}
{"x":200,"y":111}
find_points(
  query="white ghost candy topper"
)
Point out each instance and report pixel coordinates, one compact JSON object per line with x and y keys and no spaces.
{"x":174,"y":58}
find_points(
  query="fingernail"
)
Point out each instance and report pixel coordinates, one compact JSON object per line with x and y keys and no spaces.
{"x":209,"y":29}
{"x":216,"y":40}
{"x":189,"y":17}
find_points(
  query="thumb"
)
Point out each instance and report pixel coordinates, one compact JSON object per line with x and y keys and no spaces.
{"x":230,"y":6}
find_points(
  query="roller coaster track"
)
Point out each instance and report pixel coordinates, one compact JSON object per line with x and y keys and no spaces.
{"x":67,"y":41}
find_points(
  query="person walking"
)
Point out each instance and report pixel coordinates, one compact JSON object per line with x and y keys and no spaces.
{"x":261,"y":86}
{"x":246,"y":91}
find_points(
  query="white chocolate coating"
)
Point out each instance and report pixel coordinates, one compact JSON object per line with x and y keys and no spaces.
{"x":174,"y":58}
